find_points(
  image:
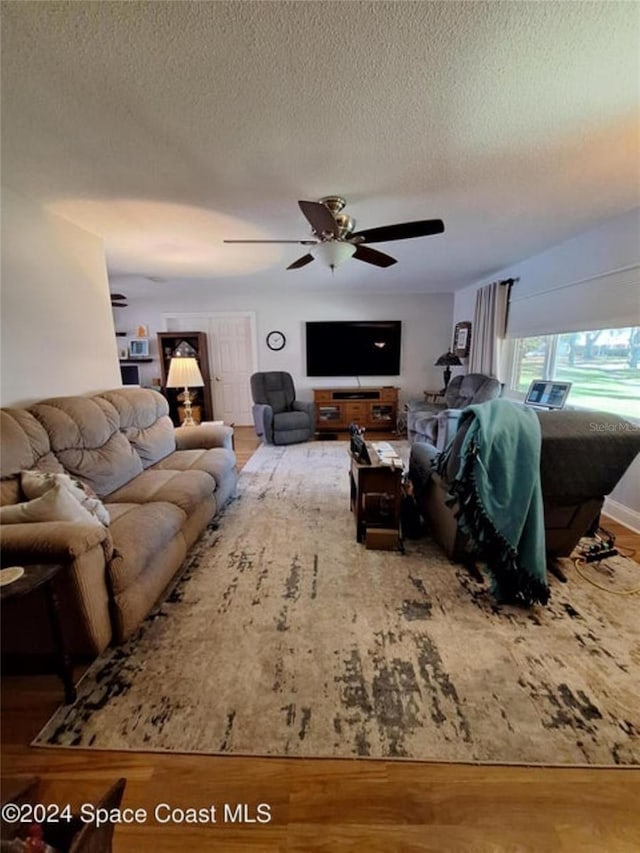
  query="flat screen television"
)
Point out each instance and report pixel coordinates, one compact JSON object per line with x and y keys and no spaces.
{"x":354,"y":348}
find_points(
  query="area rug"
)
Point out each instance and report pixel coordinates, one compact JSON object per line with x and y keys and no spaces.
{"x":285,"y":637}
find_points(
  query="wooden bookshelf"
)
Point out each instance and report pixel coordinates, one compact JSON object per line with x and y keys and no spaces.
{"x":195,"y":344}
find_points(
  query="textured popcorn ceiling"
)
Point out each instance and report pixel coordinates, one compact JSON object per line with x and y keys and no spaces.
{"x":167,"y":126}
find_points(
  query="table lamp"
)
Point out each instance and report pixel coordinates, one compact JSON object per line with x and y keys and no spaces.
{"x":184,"y":373}
{"x":447,"y":360}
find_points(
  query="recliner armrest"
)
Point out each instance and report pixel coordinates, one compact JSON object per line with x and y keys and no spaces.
{"x":423,"y":406}
{"x":448,"y":422}
{"x":263,"y":420}
{"x":305,"y":406}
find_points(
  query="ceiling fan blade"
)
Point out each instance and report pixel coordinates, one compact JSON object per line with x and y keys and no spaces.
{"x":119,"y":305}
{"x":118,"y":296}
{"x":320,"y":218}
{"x":299,"y":242}
{"x":301,"y":262}
{"x":401,"y":231}
{"x":373,"y":256}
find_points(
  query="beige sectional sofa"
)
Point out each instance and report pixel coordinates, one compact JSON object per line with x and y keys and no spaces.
{"x":161,"y":486}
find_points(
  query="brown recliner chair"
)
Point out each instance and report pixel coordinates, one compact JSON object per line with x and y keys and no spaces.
{"x":583,"y":456}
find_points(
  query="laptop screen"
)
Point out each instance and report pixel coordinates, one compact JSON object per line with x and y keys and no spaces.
{"x":550,"y":395}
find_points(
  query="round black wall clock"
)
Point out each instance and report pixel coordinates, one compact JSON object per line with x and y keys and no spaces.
{"x":276,"y":340}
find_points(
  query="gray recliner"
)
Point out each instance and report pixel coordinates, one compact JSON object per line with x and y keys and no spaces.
{"x":278,"y":417}
{"x":436,"y":423}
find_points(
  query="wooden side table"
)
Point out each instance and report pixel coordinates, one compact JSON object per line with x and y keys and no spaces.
{"x":375,"y":501}
{"x":433,"y":396}
{"x":43,"y":575}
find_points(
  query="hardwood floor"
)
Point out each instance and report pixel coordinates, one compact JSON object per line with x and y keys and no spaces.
{"x":329,"y":805}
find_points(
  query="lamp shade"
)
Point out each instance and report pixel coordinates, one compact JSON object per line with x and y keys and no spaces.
{"x":184,"y":373}
{"x":448,"y":359}
{"x":333,"y":252}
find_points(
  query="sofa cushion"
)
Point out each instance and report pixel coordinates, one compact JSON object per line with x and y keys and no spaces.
{"x":145,"y":421}
{"x":217,"y":462}
{"x":84,"y":433}
{"x":56,"y":504}
{"x":25,"y":444}
{"x":139,"y":532}
{"x":185,"y":489}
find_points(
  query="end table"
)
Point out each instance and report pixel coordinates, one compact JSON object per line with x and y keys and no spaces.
{"x":433,"y":396}
{"x":42,"y":575}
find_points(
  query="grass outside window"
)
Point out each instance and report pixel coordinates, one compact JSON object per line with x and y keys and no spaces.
{"x":604,"y":367}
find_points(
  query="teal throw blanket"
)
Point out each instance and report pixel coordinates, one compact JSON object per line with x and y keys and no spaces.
{"x":497,"y":488}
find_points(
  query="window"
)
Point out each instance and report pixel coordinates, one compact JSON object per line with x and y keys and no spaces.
{"x":604,"y":366}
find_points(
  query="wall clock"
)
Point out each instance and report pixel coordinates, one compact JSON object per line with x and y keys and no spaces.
{"x":276,"y":340}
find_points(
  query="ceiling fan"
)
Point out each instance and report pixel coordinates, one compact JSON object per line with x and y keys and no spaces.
{"x":118,"y":300}
{"x":336,"y":241}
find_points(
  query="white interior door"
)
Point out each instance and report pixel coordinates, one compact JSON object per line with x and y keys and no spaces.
{"x":232,"y":360}
{"x":232,"y":356}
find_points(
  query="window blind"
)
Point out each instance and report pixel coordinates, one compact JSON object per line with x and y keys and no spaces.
{"x":607,"y":301}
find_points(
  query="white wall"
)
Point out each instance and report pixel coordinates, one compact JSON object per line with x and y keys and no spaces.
{"x":613,"y":246}
{"x":57,"y":327}
{"x":426,"y":324}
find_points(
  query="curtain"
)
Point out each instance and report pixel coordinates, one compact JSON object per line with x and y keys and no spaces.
{"x":489,"y":329}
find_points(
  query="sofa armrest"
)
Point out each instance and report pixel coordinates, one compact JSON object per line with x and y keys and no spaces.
{"x":203,"y":437}
{"x":50,"y":540}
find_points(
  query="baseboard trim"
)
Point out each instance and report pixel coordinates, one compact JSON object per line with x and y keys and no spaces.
{"x":622,"y":514}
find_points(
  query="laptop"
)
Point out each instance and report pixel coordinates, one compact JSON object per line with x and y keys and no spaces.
{"x":547,"y":395}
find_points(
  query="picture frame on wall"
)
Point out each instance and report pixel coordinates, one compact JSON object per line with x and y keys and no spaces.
{"x":462,"y":339}
{"x":139,"y":348}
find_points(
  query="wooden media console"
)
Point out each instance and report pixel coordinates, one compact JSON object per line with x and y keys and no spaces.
{"x":371,"y":408}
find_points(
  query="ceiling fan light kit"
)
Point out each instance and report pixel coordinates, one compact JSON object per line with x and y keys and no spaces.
{"x":333,"y":252}
{"x":336,"y":240}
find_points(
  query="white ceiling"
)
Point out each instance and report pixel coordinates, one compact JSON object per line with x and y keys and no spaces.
{"x":168,"y":126}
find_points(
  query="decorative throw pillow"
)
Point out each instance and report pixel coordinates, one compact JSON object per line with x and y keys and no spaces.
{"x":57,"y":504}
{"x":34,"y":484}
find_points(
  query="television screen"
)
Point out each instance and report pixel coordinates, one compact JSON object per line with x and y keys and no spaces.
{"x":349,"y":348}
